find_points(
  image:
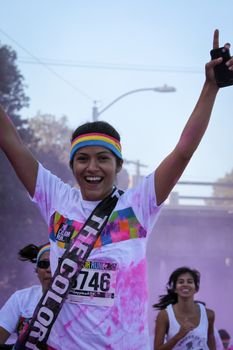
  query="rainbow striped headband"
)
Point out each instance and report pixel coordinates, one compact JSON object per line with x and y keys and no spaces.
{"x":95,"y":139}
{"x":45,"y":248}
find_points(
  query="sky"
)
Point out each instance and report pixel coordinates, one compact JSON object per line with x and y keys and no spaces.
{"x":72,"y":53}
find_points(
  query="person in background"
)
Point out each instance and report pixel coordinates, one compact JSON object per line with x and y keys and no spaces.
{"x":19,"y":308}
{"x":107,"y":306}
{"x":181,"y":322}
{"x":225,"y":338}
{"x":218,"y":340}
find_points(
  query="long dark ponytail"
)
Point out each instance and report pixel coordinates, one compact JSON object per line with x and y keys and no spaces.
{"x":30,"y":252}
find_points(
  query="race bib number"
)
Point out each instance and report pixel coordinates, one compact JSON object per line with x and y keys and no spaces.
{"x":95,"y":284}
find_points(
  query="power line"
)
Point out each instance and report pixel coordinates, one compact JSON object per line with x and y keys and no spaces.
{"x":112,"y":66}
{"x":37,"y":60}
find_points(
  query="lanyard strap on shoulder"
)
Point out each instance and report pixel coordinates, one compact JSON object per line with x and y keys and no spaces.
{"x":67,"y":271}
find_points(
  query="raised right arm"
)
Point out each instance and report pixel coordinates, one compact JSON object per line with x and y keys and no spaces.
{"x":23,"y":162}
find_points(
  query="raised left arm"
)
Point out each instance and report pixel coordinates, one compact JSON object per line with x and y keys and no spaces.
{"x":169,"y":171}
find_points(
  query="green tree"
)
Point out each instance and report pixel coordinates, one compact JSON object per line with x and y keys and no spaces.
{"x":52,"y":134}
{"x":19,"y":219}
{"x":222,"y":192}
{"x":53,"y":144}
{"x":13,"y":99}
{"x":12,"y":95}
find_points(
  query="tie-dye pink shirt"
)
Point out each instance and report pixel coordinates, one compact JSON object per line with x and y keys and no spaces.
{"x":107,"y":308}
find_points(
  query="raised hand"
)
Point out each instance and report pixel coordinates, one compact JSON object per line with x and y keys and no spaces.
{"x":186,"y":327}
{"x":210,"y":76}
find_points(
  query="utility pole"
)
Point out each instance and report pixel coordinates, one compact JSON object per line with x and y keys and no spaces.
{"x":95,"y":112}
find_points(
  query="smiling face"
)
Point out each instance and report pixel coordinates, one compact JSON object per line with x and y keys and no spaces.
{"x":95,"y":170}
{"x":44,"y":274}
{"x":185,"y":286}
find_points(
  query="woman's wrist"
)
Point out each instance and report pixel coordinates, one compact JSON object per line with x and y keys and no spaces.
{"x":211,"y":86}
{"x":177,"y":337}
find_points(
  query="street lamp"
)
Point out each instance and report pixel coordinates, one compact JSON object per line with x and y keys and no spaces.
{"x":96,"y":113}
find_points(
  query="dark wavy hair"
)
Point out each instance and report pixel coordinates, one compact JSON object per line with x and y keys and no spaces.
{"x":171,"y":296}
{"x":224,"y":334}
{"x":99,"y":127}
{"x":30,"y":252}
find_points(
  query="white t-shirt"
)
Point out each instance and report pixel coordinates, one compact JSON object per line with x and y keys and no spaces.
{"x":19,"y":308}
{"x":195,"y":339}
{"x":107,"y":309}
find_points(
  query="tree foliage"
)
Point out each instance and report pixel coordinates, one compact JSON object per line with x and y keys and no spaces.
{"x":18,"y":216}
{"x":52,"y":134}
{"x":20,"y":220}
{"x":12,"y":95}
{"x":224,"y":190}
{"x":53,"y":144}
